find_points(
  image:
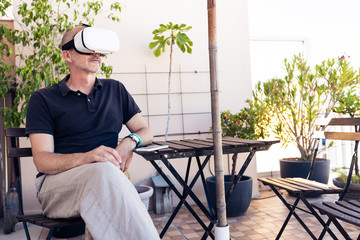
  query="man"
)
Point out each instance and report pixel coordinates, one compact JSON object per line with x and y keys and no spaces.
{"x":73,"y":128}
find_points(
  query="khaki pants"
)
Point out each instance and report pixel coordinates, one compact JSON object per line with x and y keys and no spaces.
{"x":103,"y":196}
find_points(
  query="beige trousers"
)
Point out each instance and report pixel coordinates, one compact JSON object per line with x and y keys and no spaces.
{"x":103,"y":196}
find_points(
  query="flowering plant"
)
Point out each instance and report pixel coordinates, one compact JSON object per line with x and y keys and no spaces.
{"x":349,"y":103}
{"x":301,"y":96}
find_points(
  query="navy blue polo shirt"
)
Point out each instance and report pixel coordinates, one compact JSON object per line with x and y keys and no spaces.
{"x":79,"y":122}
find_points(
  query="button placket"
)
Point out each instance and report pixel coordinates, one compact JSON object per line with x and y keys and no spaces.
{"x":91,"y":103}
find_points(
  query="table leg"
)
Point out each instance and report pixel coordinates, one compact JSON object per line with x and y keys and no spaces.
{"x":204,"y":185}
{"x":187,"y":191}
{"x":240,"y":174}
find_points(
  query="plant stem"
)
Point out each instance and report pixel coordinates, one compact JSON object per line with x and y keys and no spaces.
{"x":169,"y":89}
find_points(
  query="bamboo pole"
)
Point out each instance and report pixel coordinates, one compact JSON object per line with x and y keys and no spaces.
{"x":215,"y":112}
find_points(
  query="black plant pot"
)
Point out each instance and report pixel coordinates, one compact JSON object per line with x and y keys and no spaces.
{"x":353,"y":190}
{"x":290,"y":168}
{"x":239,"y":200}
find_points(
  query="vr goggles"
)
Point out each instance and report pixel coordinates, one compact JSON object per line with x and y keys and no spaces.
{"x":94,"y":40}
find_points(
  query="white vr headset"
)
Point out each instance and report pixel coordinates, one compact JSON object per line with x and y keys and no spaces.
{"x":94,"y":40}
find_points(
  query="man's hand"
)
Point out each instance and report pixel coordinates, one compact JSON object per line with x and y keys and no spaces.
{"x":48,"y":162}
{"x":104,"y":154}
{"x":125,"y":150}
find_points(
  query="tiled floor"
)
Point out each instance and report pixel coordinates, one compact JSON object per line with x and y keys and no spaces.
{"x":262,"y":220}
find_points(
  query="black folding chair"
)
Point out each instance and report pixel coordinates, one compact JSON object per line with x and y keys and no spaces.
{"x":69,"y":227}
{"x":302,"y":188}
{"x":345,"y":210}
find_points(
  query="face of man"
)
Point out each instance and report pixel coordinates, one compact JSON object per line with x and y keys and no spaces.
{"x":85,"y":62}
{"x":90,"y":63}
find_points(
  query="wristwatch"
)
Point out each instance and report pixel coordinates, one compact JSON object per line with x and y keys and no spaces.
{"x":135,"y":138}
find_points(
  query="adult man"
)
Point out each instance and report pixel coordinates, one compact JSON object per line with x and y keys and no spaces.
{"x":73,"y":128}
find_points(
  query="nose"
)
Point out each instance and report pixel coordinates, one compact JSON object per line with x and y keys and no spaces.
{"x":97,"y":54}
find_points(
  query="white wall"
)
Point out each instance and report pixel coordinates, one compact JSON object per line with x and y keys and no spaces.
{"x":136,"y":65}
{"x":329,"y":25}
{"x":327,"y":28}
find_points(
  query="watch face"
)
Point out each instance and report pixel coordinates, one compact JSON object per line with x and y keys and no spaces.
{"x":134,"y":138}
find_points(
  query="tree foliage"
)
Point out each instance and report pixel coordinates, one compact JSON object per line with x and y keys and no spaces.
{"x":170,"y":34}
{"x":39,"y":26}
{"x":303,"y":95}
{"x":249,"y":123}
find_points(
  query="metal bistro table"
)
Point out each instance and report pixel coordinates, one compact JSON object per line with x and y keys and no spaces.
{"x":196,"y":148}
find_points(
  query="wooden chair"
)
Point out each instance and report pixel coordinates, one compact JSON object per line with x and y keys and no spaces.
{"x":301,"y":188}
{"x":70,"y":227}
{"x":347,"y":211}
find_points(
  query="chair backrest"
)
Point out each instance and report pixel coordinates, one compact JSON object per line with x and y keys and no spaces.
{"x":352,"y":134}
{"x":323,"y":133}
{"x":15,"y":152}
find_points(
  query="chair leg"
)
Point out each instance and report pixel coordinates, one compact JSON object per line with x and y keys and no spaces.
{"x":291,"y":213}
{"x":314,"y":213}
{"x":325,"y":229}
{"x":341,"y":229}
{"x":26,"y":231}
{"x":51,"y":232}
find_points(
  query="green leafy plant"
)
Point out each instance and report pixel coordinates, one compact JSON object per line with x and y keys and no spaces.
{"x":349,"y":104}
{"x":169,"y":35}
{"x":249,"y":123}
{"x":302,"y":96}
{"x":343,"y":175}
{"x":37,"y":44}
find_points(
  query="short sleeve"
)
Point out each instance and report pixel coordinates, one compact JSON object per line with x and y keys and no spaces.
{"x":38,"y":116}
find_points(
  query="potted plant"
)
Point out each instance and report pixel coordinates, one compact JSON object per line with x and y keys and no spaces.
{"x":297,"y":100}
{"x":349,"y":104}
{"x":354,"y":188}
{"x":249,"y":123}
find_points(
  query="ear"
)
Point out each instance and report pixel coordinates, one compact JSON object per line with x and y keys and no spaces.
{"x":66,"y":55}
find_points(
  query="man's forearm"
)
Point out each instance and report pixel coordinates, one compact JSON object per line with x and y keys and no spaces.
{"x":146,"y":136}
{"x":53,"y":163}
{"x":138,"y":126}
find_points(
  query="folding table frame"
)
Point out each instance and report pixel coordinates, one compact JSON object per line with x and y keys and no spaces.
{"x":194,"y":149}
